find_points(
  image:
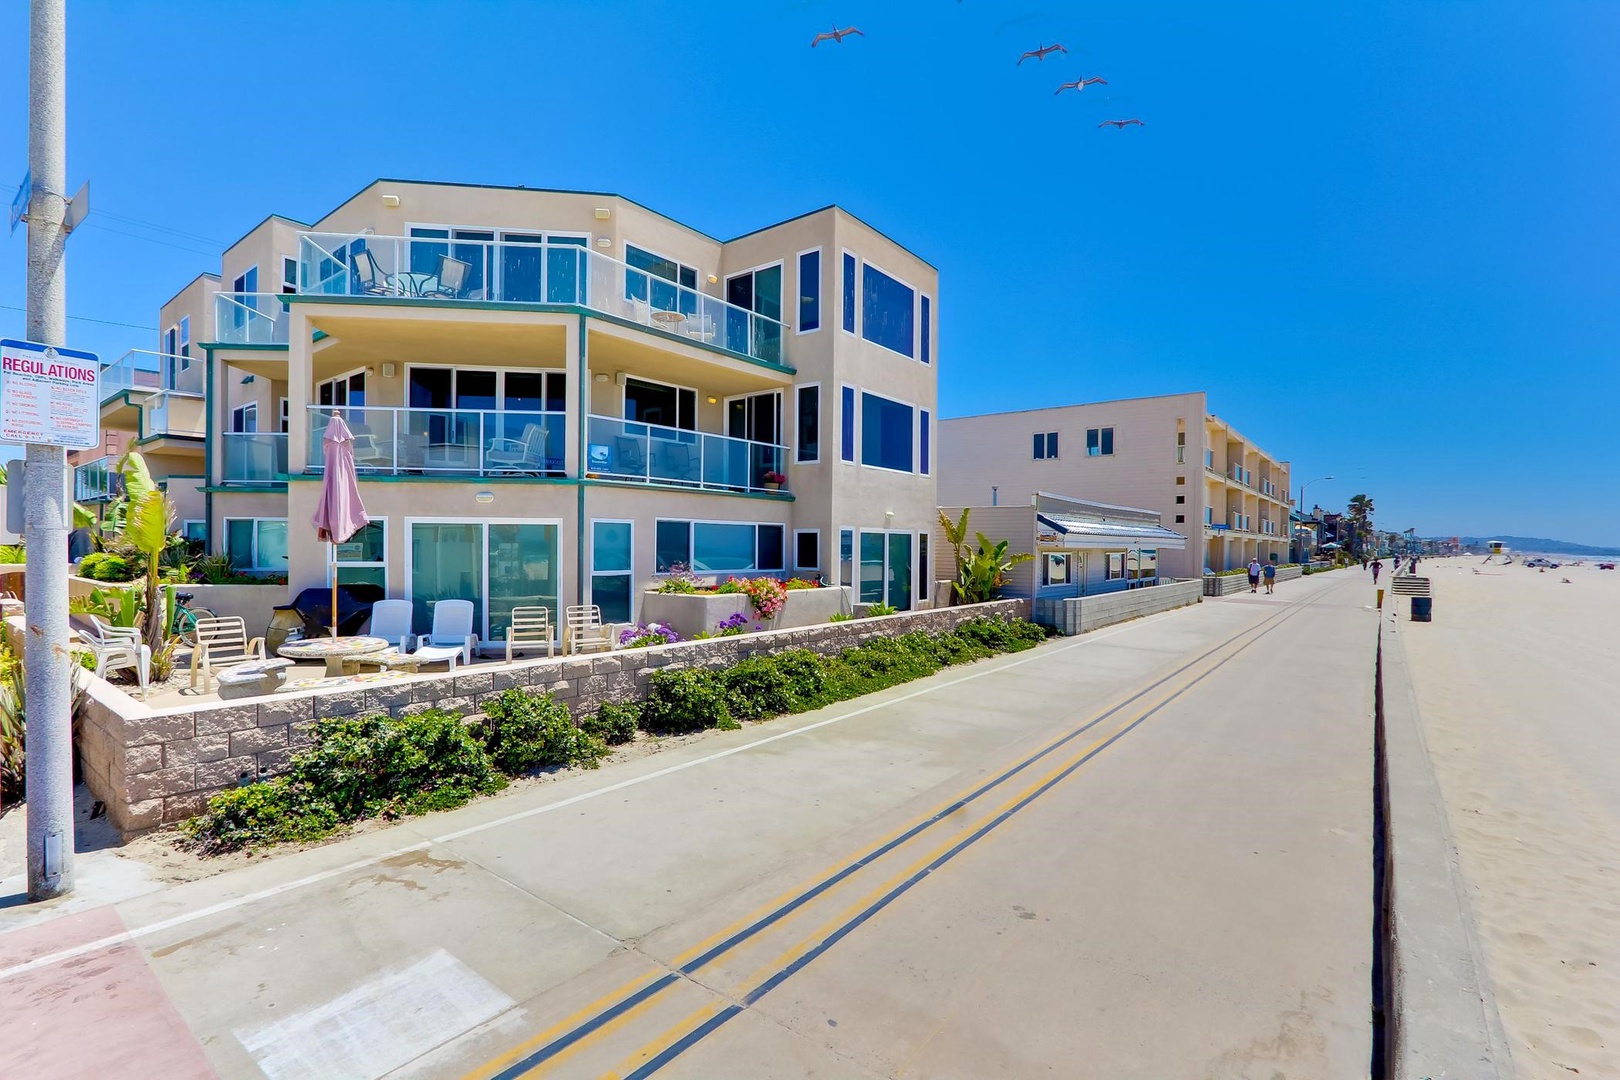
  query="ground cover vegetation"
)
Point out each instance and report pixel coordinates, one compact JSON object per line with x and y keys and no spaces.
{"x":385,"y":767}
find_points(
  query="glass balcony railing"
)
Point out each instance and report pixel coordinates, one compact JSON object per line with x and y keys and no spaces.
{"x":173,"y":412}
{"x":628,"y":450}
{"x":254,"y":457}
{"x":452,"y":269}
{"x":250,"y":319}
{"x":146,"y":370}
{"x":96,"y":481}
{"x":475,"y":442}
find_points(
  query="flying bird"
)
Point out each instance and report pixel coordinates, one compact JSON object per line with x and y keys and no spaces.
{"x":1121,"y":125}
{"x":1081,"y":84}
{"x":836,"y":35}
{"x":1043,"y":52}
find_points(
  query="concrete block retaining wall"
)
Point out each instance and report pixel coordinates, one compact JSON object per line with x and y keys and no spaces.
{"x":1082,"y":614}
{"x":690,"y":614}
{"x":151,"y":767}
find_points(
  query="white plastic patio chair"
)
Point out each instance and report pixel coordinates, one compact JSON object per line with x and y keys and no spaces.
{"x":452,"y":634}
{"x":117,"y":647}
{"x":222,"y":643}
{"x":584,"y":631}
{"x":530,"y":628}
{"x":391,"y":621}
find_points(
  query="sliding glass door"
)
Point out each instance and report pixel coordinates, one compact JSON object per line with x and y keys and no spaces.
{"x":498,"y":565}
{"x":886,"y":569}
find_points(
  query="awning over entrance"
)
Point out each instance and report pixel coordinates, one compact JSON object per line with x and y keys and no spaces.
{"x":1078,"y":532}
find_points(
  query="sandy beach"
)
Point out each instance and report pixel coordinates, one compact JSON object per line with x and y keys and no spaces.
{"x":1516,"y":679}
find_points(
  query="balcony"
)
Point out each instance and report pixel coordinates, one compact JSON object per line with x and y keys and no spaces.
{"x":1239,"y":522}
{"x":97,"y":481}
{"x":649,"y":453}
{"x":465,"y":442}
{"x":1241,"y":475}
{"x":254,"y":457}
{"x":172,"y":412}
{"x":250,"y":319}
{"x":454,"y":270}
{"x":142,"y":369}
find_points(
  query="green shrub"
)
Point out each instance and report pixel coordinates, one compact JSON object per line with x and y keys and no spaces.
{"x":685,"y":699}
{"x":12,"y":553}
{"x":105,"y":566}
{"x":806,"y":675}
{"x":530,"y":731}
{"x":756,"y":688}
{"x":1002,"y":635}
{"x":874,"y":610}
{"x":841,"y":617}
{"x":614,"y":723}
{"x":269,"y":812}
{"x":371,"y":766}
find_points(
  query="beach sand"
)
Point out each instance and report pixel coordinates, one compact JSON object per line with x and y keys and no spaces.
{"x":1518,"y":684}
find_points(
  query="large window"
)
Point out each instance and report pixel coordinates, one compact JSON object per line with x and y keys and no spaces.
{"x":719,"y":547}
{"x":886,"y":433}
{"x":257,"y":545}
{"x":886,"y":568}
{"x":611,"y":569}
{"x":849,"y":293}
{"x":680,"y":292}
{"x":807,"y":417}
{"x":245,"y":418}
{"x":363,"y":558}
{"x":498,"y":565}
{"x":888,"y":311}
{"x":657,"y":403}
{"x":847,"y":423}
{"x":1099,"y":442}
{"x":1046,"y":445}
{"x":343,"y":390}
{"x":809,"y":291}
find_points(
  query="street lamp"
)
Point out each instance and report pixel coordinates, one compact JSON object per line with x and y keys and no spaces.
{"x":1302,"y":488}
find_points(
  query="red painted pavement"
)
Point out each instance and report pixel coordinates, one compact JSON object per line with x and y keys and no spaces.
{"x":100,"y":1014}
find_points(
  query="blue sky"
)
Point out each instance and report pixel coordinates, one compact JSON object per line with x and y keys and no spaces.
{"x":1382,"y":235}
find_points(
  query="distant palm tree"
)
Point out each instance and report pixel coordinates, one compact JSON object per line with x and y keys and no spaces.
{"x":1360,"y":513}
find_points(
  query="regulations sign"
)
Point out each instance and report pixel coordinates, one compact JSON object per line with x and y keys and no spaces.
{"x":49,"y":395}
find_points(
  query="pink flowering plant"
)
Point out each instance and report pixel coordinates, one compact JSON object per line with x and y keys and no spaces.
{"x":766,"y":594}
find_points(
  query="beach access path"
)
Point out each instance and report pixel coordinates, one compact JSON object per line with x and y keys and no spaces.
{"x":1518,"y":690}
{"x":1143,"y":852}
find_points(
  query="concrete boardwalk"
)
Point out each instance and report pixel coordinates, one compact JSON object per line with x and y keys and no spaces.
{"x":1145,"y":852}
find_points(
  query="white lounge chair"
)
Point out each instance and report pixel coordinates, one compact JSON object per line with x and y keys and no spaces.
{"x":530,"y":628}
{"x":116,"y":647}
{"x":222,"y":643}
{"x":525,"y":455}
{"x":584,"y":631}
{"x":391,"y":621}
{"x":452,"y":634}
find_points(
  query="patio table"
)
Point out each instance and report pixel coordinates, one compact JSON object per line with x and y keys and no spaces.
{"x":333,"y":650}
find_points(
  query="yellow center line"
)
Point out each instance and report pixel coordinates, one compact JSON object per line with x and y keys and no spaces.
{"x":667,"y":1038}
{"x":495,"y":1065}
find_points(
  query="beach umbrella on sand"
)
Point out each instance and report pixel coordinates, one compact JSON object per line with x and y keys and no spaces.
{"x":339,"y":514}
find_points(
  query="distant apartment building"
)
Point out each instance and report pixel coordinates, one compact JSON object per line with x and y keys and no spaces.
{"x":1168,"y":454}
{"x":558,"y":397}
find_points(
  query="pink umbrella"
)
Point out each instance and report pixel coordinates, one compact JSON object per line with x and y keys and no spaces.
{"x":339,"y":514}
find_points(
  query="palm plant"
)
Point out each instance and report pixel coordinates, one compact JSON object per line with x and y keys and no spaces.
{"x":1360,"y":512}
{"x":983,"y":573}
{"x":146,"y":530}
{"x":955,"y":535}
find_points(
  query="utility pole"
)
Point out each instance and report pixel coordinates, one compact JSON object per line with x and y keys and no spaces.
{"x":47,"y":659}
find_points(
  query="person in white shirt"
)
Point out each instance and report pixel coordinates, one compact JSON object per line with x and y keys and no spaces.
{"x":1254,"y":575}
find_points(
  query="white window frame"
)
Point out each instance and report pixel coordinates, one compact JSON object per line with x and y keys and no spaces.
{"x":366,"y":564}
{"x":821,"y":300}
{"x":806,"y":532}
{"x":725,"y":416}
{"x":171,"y":341}
{"x":1046,"y":437}
{"x":916,"y":310}
{"x":855,"y":321}
{"x":697,"y":274}
{"x":186,"y":523}
{"x":886,"y":533}
{"x":484,"y":523}
{"x":225,"y":542}
{"x":916,"y":449}
{"x":283,"y":413}
{"x":725,"y":285}
{"x":698,"y":399}
{"x":854,"y":556}
{"x":239,"y":282}
{"x":592,"y":573}
{"x":797,"y":459}
{"x":247,"y":411}
{"x":1099,"y":429}
{"x":289,"y":286}
{"x":185,"y":342}
{"x":691,"y":544}
{"x":315,"y":395}
{"x":925,"y":426}
{"x":933,"y":314}
{"x":854,"y":424}
{"x":1046,"y":567}
{"x":500,"y":384}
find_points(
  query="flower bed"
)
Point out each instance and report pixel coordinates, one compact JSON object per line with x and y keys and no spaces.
{"x":702,"y":612}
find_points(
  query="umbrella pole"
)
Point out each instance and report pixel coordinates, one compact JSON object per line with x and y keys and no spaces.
{"x":333,"y":546}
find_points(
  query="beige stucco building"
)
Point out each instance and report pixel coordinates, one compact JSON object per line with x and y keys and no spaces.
{"x":1169,"y":454}
{"x":557,"y":396}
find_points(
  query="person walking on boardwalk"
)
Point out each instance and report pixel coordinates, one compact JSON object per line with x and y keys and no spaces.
{"x":1271,"y":578}
{"x":1254,"y":575}
{"x":1376,"y":566}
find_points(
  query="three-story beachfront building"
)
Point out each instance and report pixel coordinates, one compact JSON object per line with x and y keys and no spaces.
{"x":559,"y":396}
{"x":1170,"y":454}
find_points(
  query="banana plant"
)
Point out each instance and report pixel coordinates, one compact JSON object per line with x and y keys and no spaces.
{"x":955,"y":535}
{"x":984,"y":572}
{"x":146,"y":529}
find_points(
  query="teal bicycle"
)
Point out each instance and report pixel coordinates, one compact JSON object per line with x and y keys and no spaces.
{"x":186,"y":616}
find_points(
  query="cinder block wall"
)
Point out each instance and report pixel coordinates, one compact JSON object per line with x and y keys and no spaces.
{"x":152,"y":767}
{"x":1082,"y":614}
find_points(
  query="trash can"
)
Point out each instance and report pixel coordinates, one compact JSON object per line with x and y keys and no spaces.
{"x":1422,"y":608}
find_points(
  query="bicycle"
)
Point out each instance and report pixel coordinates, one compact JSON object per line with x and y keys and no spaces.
{"x":186,"y":616}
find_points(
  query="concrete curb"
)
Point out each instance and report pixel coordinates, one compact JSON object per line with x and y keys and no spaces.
{"x":1444,"y":1022}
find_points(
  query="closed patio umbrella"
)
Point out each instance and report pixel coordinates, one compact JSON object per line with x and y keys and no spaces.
{"x":339,"y":514}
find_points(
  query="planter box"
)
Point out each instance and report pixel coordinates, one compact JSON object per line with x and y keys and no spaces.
{"x":689,"y":614}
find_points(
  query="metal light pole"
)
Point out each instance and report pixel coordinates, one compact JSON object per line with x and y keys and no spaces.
{"x":47,"y":660}
{"x":1302,"y":488}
